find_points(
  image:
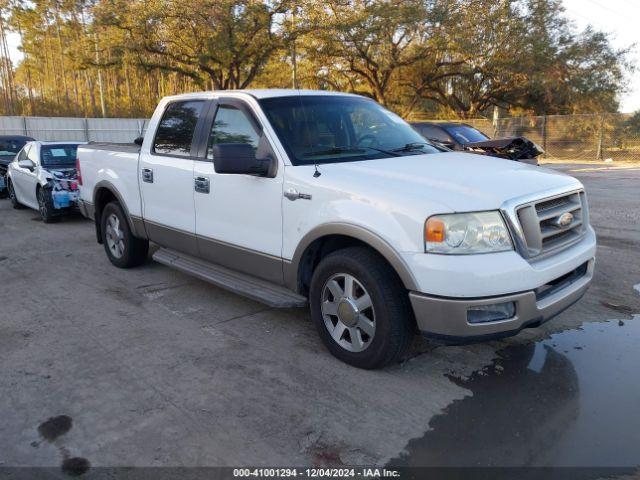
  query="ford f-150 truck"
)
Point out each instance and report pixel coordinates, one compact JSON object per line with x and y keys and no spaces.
{"x":295,"y":197}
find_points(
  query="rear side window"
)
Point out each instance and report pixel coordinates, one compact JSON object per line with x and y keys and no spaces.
{"x":231,"y":125}
{"x":176,"y":129}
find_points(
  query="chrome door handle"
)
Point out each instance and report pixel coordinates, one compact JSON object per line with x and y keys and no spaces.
{"x":293,"y":194}
{"x":202,"y":184}
{"x":147,"y":175}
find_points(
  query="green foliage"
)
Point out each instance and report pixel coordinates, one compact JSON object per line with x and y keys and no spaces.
{"x":438,"y":57}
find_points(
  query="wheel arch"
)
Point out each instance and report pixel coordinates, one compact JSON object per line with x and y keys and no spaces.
{"x":327,"y":238}
{"x":104,"y":193}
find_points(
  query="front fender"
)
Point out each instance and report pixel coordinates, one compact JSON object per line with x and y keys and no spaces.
{"x":357,"y":232}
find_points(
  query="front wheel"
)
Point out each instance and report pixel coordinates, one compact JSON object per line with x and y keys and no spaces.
{"x":360,"y":308}
{"x":123,"y":249}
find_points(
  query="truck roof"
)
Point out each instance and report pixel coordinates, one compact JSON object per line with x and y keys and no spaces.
{"x":261,"y":93}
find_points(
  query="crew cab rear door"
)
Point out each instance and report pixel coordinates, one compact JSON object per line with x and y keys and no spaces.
{"x":238,"y":217}
{"x":166,"y":175}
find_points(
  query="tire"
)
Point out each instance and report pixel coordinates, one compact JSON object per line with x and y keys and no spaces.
{"x":122,"y":248}
{"x":379,"y":330}
{"x":45,"y":206}
{"x":4,"y":193}
{"x":12,"y":196}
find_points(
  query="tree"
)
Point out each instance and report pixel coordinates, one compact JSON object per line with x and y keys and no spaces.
{"x":478,"y":63}
{"x":445,"y":57}
{"x":222,"y":43}
{"x":361,"y":45}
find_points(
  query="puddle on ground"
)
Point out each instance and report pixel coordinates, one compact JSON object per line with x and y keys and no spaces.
{"x":570,"y":400}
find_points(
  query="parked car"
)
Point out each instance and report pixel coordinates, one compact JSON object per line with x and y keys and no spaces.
{"x":463,"y":137}
{"x":291,"y":197}
{"x":43,"y":176}
{"x":10,"y":145}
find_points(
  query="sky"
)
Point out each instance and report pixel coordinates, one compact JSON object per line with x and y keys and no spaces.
{"x":619,"y":18}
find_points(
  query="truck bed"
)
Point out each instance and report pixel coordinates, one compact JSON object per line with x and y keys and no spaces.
{"x":111,"y":165}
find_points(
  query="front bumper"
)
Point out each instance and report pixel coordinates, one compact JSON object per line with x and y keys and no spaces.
{"x":447,"y":317}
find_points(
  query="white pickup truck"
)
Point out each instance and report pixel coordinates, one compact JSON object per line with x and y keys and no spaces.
{"x":291,"y":197}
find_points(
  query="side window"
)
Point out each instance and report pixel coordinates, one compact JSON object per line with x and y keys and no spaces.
{"x":176,"y":128}
{"x":231,"y":125}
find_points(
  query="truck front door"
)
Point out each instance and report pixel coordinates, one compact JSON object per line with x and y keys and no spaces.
{"x":166,"y":176}
{"x":238,"y":217}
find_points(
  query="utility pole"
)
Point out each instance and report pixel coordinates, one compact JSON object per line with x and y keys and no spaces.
{"x":294,"y":54}
{"x":599,"y":153}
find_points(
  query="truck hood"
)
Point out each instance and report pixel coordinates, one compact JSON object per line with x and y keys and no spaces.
{"x":459,"y":181}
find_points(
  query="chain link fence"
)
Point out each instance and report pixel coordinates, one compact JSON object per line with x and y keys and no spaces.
{"x":570,"y":137}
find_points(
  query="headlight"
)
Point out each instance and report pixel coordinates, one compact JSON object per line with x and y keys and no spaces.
{"x":466,"y":233}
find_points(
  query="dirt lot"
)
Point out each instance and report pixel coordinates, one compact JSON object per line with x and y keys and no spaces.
{"x":149,"y":367}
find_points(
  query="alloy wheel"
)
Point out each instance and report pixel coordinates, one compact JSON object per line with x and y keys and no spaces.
{"x":42,"y":205}
{"x":347,"y":311}
{"x":114,"y":236}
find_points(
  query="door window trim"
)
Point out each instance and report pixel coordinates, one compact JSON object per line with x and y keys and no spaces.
{"x":197,"y":131}
{"x":201,"y":151}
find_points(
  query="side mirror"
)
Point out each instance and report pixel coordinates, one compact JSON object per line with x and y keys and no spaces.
{"x":138,"y":141}
{"x":28,"y":164}
{"x":239,"y":159}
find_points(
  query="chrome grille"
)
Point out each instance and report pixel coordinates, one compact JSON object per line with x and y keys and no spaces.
{"x":541,"y":223}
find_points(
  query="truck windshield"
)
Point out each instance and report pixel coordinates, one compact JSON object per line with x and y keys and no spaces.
{"x":331,"y":129}
{"x":58,"y":155}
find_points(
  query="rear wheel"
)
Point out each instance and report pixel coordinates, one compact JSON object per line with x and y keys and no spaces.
{"x":12,"y":196}
{"x":123,"y":249}
{"x":45,"y":206}
{"x":360,"y":308}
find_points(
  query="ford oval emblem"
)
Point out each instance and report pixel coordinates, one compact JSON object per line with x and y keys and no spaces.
{"x":565,"y":220}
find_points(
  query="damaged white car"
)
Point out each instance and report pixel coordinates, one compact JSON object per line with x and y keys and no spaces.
{"x":43,"y":176}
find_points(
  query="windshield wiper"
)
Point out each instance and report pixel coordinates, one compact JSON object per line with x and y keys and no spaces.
{"x":388,"y":152}
{"x":410,"y":147}
{"x":335,"y":150}
{"x":338,"y":150}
